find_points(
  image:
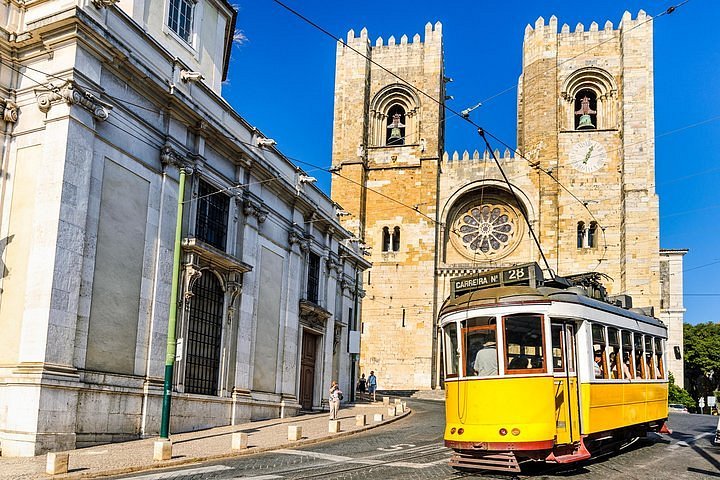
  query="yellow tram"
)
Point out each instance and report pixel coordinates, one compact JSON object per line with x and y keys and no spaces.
{"x":546,"y":370}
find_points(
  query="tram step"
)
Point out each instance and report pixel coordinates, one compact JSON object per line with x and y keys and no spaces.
{"x":502,"y":461}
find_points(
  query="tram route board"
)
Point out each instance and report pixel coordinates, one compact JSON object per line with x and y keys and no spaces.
{"x":528,"y":274}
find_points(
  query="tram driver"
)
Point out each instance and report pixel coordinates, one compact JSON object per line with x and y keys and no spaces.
{"x":486,"y":362}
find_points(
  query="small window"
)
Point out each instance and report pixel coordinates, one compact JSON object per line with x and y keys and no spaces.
{"x":385,"y":239}
{"x":580,"y":234}
{"x":659,"y":364}
{"x":480,"y":347}
{"x":396,"y":239}
{"x":641,"y":369}
{"x":395,"y":126}
{"x":650,"y":357}
{"x":313,"y":277}
{"x":592,"y":235}
{"x":212,"y":215}
{"x":180,"y":18}
{"x":557,"y":348}
{"x":614,"y":357}
{"x":627,"y":355}
{"x":600,"y":369}
{"x":586,"y":110}
{"x":524,"y":344}
{"x":452,"y":352}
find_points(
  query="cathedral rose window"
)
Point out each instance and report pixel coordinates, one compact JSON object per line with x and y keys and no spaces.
{"x":488,"y":228}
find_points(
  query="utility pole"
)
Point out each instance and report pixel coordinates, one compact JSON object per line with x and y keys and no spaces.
{"x":171,"y":340}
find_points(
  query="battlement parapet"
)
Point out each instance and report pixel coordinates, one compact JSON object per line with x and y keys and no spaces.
{"x":457,"y":158}
{"x":433,"y":34}
{"x":541,"y":28}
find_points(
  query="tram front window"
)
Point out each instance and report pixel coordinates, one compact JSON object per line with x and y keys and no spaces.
{"x":452,"y":352}
{"x":479,"y":340}
{"x":524,"y":344}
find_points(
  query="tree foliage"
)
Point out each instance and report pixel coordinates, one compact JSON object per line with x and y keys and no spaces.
{"x":702,"y":358}
{"x":679,"y":395}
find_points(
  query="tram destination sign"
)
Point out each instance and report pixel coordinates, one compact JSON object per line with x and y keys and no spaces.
{"x":528,"y":274}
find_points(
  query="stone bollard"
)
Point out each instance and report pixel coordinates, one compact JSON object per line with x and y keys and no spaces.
{"x":57,"y":463}
{"x":404,"y":404}
{"x":162,"y":450}
{"x":239,"y":441}
{"x":398,"y":401}
{"x":378,"y":417}
{"x":360,"y":420}
{"x":386,"y":401}
{"x":398,"y":409}
{"x":294,"y":432}
{"x":391,"y":411}
{"x":334,"y":426}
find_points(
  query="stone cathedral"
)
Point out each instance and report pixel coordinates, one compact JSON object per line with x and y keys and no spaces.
{"x":583,"y":174}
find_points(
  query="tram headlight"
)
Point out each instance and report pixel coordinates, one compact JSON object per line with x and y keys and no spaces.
{"x":461,"y":431}
{"x":453,"y":429}
{"x":503,"y":432}
{"x":516,"y":431}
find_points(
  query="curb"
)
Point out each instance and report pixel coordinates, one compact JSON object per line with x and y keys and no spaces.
{"x":249,"y":451}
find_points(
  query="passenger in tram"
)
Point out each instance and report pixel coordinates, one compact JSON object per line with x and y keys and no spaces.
{"x":597,"y":365}
{"x":486,"y":360}
{"x":519,"y":363}
{"x":613,"y":365}
{"x":626,"y":366}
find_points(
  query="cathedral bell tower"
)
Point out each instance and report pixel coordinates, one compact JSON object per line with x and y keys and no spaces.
{"x":387,"y":146}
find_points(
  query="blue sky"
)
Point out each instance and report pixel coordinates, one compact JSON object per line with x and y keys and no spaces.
{"x":281,"y":80}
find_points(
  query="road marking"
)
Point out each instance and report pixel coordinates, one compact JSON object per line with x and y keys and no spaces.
{"x":181,"y":473}
{"x":260,"y":477}
{"x":395,"y":448}
{"x":364,"y":461}
{"x":684,"y":443}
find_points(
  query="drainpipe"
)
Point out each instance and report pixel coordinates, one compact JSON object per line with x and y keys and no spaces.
{"x":171,"y":341}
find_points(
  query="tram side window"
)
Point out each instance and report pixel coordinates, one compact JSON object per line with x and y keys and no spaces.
{"x":615,"y":358}
{"x":660,"y":368}
{"x":480,"y":345}
{"x":652,"y":369}
{"x":452,"y":352}
{"x":557,"y":348}
{"x":524,"y":344}
{"x":641,"y":369}
{"x":600,"y":369}
{"x":627,"y":355}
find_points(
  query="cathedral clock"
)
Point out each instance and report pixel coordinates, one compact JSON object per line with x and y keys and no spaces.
{"x":588,"y":156}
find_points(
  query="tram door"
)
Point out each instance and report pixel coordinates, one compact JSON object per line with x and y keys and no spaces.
{"x":567,"y":414}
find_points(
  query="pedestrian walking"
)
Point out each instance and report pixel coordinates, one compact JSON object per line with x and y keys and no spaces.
{"x":372,"y":384}
{"x":334,"y":400}
{"x":362,"y":384}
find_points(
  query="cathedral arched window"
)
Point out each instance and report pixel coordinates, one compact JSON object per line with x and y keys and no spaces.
{"x":396,"y":239}
{"x":385,"y":239}
{"x":580,"y":234}
{"x":591,"y":100}
{"x":592,"y":235}
{"x":586,"y":110}
{"x":393,"y":117}
{"x":395,"y":134}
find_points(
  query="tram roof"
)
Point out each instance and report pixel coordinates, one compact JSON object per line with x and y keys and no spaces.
{"x":513,"y":295}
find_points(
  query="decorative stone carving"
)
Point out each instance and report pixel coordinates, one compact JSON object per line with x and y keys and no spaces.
{"x":234,"y":288}
{"x":9,"y":109}
{"x":334,"y":264}
{"x":346,"y":283}
{"x":170,"y":156}
{"x":254,"y":208}
{"x":313,"y":316}
{"x":104,"y":3}
{"x":72,"y":94}
{"x":337,"y":335}
{"x":298,"y":237}
{"x":192,"y":274}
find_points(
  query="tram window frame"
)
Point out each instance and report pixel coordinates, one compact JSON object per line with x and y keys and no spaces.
{"x":627,"y":335}
{"x":452,"y":350}
{"x":522,"y":352}
{"x":471,"y":326}
{"x":640,"y":366}
{"x":659,"y":357}
{"x":613,"y":341}
{"x":560,"y":329}
{"x":650,"y":357}
{"x":601,"y":343}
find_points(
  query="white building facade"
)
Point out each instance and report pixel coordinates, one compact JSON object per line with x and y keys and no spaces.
{"x":103,"y":104}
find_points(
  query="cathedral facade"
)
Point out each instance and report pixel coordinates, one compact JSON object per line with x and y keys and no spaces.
{"x":581,"y":179}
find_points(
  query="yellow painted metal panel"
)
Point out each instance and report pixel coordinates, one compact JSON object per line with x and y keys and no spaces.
{"x":482,"y":407}
{"x":614,"y":405}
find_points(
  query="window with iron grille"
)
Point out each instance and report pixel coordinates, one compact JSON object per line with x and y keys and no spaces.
{"x":313,"y":283}
{"x":212,"y":216}
{"x":180,"y":18}
{"x":202,"y":363}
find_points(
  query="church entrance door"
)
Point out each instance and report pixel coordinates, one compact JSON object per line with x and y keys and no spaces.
{"x":307,"y":370}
